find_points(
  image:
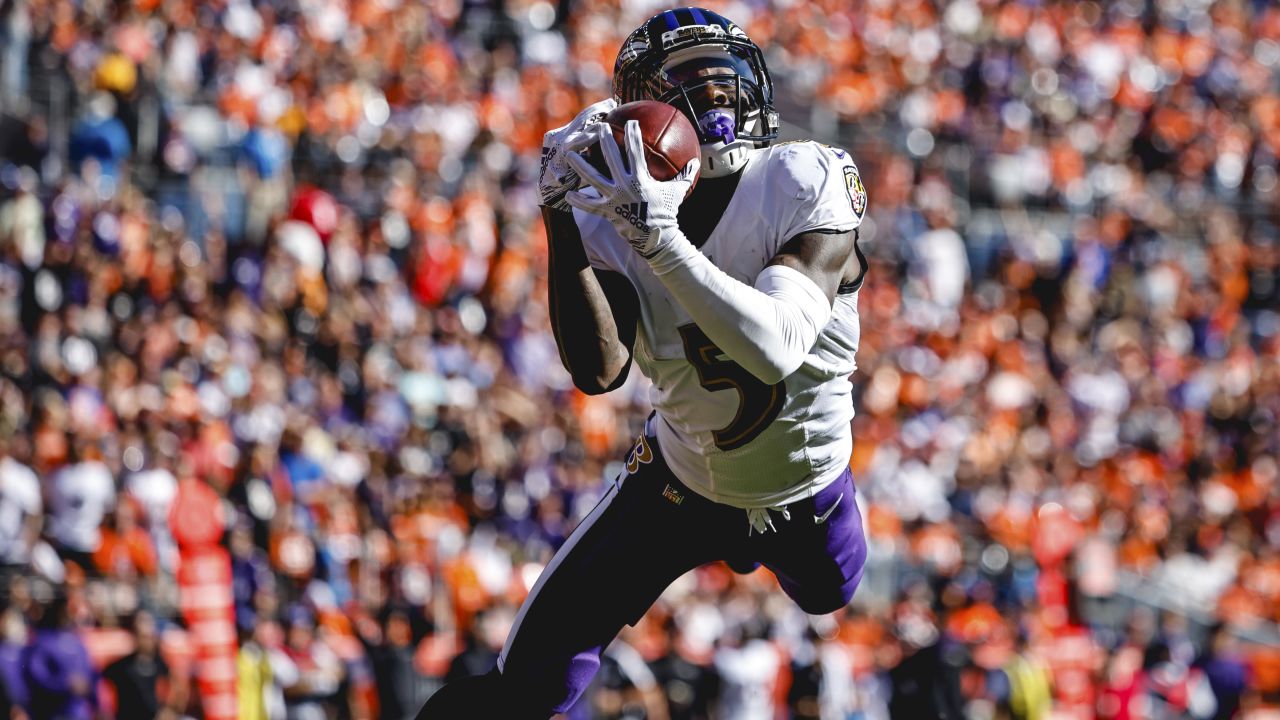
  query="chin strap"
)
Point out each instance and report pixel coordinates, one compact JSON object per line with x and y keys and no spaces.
{"x":720,"y":160}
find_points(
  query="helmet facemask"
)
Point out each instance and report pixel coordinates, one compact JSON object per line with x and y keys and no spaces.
{"x":717,"y":78}
{"x":723,"y":103}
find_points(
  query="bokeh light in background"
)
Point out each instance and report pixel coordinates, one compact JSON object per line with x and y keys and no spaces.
{"x":289,"y":252}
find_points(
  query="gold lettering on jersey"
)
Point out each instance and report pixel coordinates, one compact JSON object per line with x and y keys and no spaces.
{"x":641,"y":454}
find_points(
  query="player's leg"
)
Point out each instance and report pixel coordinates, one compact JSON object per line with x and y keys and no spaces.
{"x":819,"y":554}
{"x":611,"y":569}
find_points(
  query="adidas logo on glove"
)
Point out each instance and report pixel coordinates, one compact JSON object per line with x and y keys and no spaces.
{"x":636,"y":214}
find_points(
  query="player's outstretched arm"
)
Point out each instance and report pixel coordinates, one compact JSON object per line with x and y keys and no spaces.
{"x":593,"y":312}
{"x":767,"y":328}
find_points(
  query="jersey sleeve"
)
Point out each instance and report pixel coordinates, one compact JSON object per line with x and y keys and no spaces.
{"x":823,"y":188}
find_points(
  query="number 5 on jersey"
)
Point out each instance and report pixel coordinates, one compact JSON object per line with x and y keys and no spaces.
{"x":758,"y":403}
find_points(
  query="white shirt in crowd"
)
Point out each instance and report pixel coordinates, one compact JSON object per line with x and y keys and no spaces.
{"x":155,"y":489}
{"x":940,"y":259}
{"x":749,"y":674}
{"x":19,"y":500}
{"x":79,"y":496}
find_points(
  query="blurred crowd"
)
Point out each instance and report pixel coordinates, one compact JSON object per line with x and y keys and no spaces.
{"x":289,"y":251}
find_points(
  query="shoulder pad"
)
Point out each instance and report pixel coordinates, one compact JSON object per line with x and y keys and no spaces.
{"x":808,"y":170}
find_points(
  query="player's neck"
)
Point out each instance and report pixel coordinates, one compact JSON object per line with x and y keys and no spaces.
{"x":701,"y":211}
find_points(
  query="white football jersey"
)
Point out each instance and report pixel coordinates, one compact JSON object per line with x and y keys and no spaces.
{"x":724,"y":433}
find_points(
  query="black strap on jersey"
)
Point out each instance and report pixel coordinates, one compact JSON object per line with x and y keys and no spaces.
{"x":856,"y":284}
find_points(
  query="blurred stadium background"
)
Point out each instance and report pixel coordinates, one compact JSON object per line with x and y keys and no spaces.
{"x":272,"y":290}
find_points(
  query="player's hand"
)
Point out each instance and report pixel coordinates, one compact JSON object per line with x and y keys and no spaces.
{"x":556,"y":177}
{"x":642,"y":209}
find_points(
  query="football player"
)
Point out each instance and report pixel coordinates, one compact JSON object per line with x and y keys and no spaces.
{"x":739,"y":303}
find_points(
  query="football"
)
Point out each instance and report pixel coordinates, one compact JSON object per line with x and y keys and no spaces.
{"x":670,"y":141}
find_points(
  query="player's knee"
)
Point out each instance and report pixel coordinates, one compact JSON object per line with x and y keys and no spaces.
{"x":826,"y":603}
{"x":833,"y":597}
{"x":830,"y":602}
{"x":550,"y":687}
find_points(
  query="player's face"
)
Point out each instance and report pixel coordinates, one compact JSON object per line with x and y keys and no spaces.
{"x":717,"y":92}
{"x":713,"y":94}
{"x":710,"y":82}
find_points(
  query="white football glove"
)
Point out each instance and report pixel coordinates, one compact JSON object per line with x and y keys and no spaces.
{"x":556,"y":177}
{"x":643,"y":210}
